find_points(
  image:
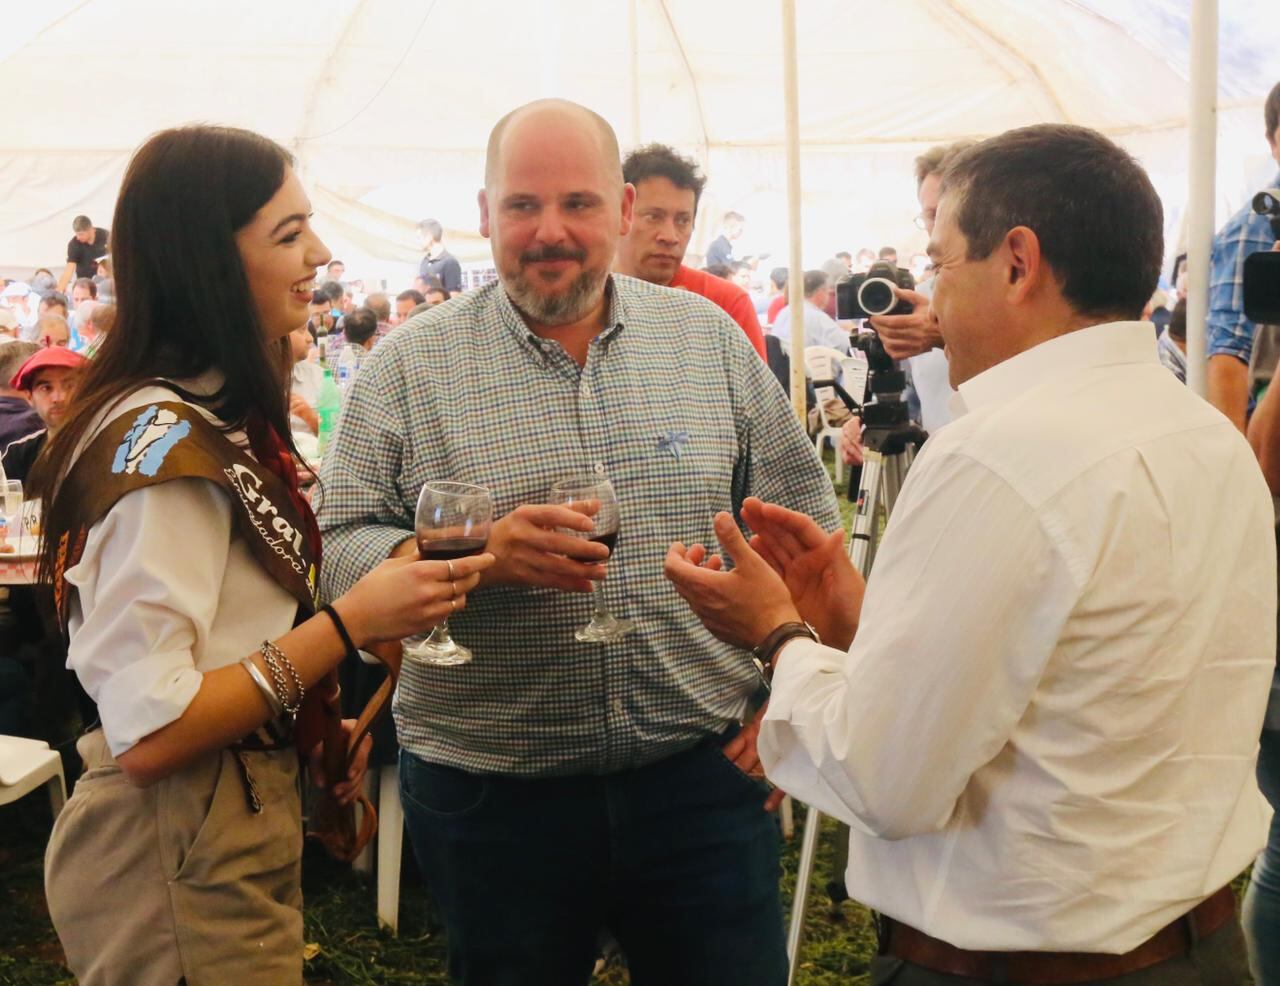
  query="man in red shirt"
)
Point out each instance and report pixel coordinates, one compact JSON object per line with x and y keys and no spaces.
{"x":667,"y":190}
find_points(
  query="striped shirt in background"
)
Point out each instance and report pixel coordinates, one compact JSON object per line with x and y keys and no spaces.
{"x":676,"y":408}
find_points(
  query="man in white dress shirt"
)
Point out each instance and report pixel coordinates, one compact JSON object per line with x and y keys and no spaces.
{"x":1044,"y":728}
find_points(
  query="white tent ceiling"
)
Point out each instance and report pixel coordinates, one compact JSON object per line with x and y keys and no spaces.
{"x":387,"y":103}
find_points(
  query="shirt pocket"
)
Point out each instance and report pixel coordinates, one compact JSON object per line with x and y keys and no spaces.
{"x":680,"y":470}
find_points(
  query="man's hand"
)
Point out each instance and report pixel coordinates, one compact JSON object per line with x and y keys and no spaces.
{"x":301,"y":409}
{"x":908,"y":335}
{"x":741,"y":752}
{"x":823,"y":584}
{"x":531,"y":550}
{"x":741,"y":607}
{"x":851,"y":441}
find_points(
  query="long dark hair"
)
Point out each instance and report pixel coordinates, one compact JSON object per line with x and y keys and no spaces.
{"x":183,"y":304}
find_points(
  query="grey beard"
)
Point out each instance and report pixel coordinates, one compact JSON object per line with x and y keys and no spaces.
{"x":560,"y":309}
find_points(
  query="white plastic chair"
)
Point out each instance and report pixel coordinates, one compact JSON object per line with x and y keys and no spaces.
{"x":25,"y":764}
{"x":387,"y":844}
{"x":824,"y":363}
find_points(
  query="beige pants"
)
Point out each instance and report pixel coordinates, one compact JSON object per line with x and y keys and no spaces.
{"x":179,"y":881}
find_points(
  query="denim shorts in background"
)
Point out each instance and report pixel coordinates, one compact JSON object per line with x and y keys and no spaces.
{"x":678,"y":859}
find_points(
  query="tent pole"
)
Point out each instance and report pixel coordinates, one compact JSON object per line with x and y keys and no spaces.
{"x":1200,"y":196}
{"x":633,"y":69}
{"x":795,"y":280}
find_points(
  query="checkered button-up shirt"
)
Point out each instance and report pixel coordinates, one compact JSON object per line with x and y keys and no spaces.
{"x":676,"y":408}
{"x":1229,"y":332}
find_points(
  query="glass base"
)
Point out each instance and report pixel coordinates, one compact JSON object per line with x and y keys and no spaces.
{"x":601,"y":630}
{"x":439,"y":650}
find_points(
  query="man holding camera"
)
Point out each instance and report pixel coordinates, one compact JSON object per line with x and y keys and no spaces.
{"x":1043,"y":733}
{"x":1234,"y":373}
{"x":915,"y":337}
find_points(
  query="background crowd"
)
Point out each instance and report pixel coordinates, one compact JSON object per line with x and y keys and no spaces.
{"x":658,"y":773}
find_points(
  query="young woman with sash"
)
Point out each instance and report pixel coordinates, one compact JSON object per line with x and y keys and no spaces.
{"x":183,"y":562}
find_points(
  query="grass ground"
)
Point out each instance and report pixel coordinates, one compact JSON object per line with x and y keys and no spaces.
{"x":345,"y":945}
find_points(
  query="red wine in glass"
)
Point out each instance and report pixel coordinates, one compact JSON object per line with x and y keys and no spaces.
{"x":451,"y":549}
{"x":604,"y":626}
{"x":452,"y":521}
{"x":609,"y":540}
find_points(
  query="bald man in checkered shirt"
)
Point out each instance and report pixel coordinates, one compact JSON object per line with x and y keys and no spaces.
{"x":553,"y":788}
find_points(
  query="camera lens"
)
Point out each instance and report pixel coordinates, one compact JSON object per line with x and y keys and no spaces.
{"x":875,"y":297}
{"x":1267,"y":202}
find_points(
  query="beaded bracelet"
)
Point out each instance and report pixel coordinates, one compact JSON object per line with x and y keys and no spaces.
{"x":278,"y":663}
{"x":268,"y":693}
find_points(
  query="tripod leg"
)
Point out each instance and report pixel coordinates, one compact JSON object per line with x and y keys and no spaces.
{"x":804,"y":876}
{"x":837,"y":889}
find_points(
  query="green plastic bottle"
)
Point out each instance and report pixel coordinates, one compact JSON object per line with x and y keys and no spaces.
{"x":328,"y":407}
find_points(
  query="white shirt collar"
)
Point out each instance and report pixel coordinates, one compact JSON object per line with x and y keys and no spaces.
{"x":1097,"y":345}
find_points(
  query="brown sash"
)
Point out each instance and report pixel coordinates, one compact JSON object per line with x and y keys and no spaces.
{"x":172,"y":440}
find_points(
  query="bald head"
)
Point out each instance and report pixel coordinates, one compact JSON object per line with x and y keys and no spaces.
{"x":553,"y":207}
{"x":558,"y":112}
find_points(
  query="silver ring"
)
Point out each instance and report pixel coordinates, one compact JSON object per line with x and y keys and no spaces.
{"x":453,"y":605}
{"x":454,"y":587}
{"x":450,"y":564}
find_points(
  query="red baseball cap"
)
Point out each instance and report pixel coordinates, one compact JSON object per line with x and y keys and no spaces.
{"x":45,"y":358}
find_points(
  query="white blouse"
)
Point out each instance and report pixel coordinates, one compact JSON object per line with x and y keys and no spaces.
{"x":166,"y":590}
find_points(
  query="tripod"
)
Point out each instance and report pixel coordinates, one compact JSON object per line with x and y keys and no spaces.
{"x":890,"y":442}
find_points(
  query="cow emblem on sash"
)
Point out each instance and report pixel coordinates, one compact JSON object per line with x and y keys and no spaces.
{"x":146,"y":445}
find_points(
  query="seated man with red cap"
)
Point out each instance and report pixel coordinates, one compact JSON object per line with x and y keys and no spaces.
{"x":49,"y":379}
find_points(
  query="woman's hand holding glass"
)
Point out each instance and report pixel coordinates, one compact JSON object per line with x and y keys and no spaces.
{"x":405,"y":597}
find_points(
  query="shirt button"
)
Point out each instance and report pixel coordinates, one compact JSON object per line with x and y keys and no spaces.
{"x":600,"y":468}
{"x":617,"y":706}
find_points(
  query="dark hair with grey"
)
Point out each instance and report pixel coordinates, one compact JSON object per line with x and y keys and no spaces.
{"x":12,"y":356}
{"x":1094,"y":210}
{"x":81,"y":223}
{"x":661,"y":161}
{"x":360,"y":325}
{"x":815,"y":280}
{"x":432,"y":228}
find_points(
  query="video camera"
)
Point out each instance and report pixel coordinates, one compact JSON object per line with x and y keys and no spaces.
{"x":865,"y":295}
{"x":1262,"y":269}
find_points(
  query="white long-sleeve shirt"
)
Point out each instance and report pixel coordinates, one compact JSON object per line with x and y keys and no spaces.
{"x":1044,"y":734}
{"x":165,"y":591}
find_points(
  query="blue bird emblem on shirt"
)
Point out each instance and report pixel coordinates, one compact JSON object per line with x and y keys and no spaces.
{"x":673,"y":442}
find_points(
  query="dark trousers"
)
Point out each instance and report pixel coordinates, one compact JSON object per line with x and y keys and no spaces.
{"x":1217,"y":960}
{"x":678,"y":859}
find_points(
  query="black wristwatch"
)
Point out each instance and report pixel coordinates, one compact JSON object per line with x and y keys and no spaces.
{"x":767,"y":652}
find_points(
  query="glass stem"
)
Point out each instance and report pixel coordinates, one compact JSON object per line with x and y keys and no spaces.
{"x":601,"y":611}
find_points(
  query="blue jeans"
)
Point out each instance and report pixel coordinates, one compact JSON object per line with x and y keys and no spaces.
{"x":677,"y":858}
{"x":1261,"y":916}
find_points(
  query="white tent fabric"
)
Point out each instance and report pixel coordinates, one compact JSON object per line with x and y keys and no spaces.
{"x":387,"y":103}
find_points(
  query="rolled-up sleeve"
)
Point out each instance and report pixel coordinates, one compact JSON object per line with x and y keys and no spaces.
{"x":1229,"y":331}
{"x":147,"y":590}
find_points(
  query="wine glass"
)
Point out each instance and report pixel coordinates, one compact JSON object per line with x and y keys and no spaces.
{"x":452,"y":521}
{"x":604,"y":626}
